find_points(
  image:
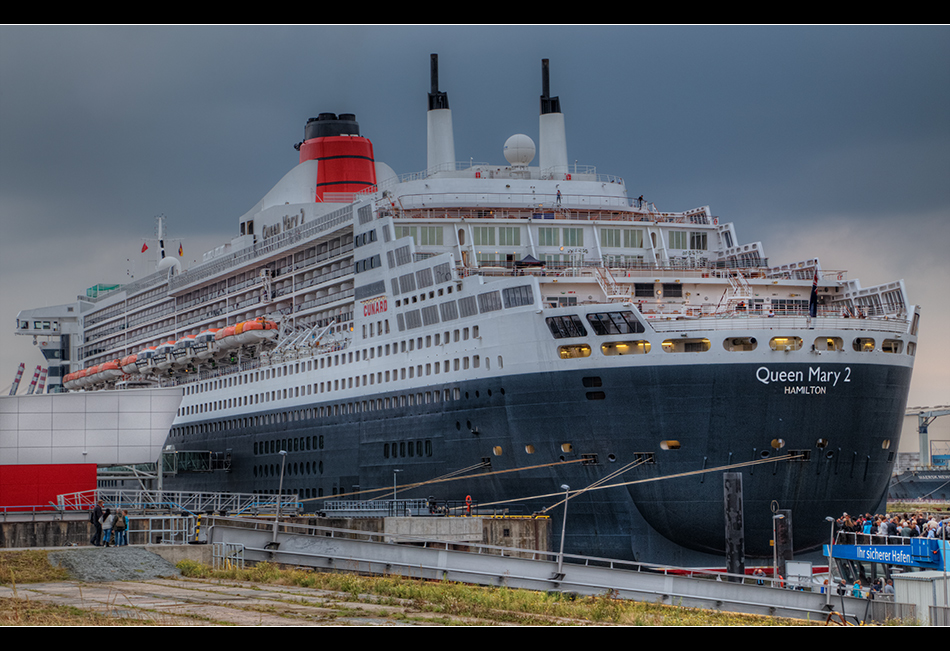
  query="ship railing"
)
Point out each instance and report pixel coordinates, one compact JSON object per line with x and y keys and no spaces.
{"x":624,"y":272}
{"x":288,"y":239}
{"x":610,"y":209}
{"x":855,"y":538}
{"x":675,"y":323}
{"x":192,"y":502}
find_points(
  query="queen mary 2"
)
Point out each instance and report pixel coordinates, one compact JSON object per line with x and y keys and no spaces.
{"x":518,"y":327}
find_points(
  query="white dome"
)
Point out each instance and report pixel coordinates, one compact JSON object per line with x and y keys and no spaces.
{"x":165,"y":263}
{"x":519,"y":150}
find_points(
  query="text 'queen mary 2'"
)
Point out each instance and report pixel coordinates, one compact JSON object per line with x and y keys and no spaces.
{"x":530,"y":326}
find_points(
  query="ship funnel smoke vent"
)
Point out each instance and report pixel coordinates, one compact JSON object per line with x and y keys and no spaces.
{"x":440,"y":147}
{"x":345,"y":159}
{"x":553,"y":145}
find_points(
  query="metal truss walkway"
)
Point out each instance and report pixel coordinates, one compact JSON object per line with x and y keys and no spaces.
{"x":363,"y":552}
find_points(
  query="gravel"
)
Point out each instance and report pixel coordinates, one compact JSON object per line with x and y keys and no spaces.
{"x":100,"y":564}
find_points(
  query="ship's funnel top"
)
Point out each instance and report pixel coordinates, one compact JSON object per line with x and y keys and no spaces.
{"x":329,"y":124}
{"x":345,"y":161}
{"x":553,"y":145}
{"x":440,"y":147}
{"x":437,"y":99}
{"x":548,"y":104}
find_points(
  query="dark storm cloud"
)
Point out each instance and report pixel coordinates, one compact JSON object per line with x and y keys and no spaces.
{"x":779,"y":129}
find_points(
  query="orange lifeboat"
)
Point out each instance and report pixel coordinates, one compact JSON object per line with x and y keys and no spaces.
{"x":225,"y":338}
{"x":110,"y":370}
{"x":128,"y":364}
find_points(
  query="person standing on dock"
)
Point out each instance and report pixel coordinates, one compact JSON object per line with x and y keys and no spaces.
{"x":96,"y":519}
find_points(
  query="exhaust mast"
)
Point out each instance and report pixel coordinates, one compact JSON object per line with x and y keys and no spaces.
{"x":440,"y":148}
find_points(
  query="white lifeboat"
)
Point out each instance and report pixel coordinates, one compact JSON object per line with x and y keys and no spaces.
{"x":145,"y":360}
{"x":184,"y":350}
{"x":163,"y":355}
{"x":204,"y":345}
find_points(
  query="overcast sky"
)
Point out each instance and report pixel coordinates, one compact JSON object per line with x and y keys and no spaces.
{"x":827,"y":141}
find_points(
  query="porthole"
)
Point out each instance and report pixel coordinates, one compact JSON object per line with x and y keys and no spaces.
{"x":892,"y":346}
{"x":863,"y":344}
{"x":686,"y":345}
{"x":886,"y":444}
{"x":566,"y":447}
{"x":574,"y":351}
{"x":669,"y":445}
{"x":829,"y":343}
{"x":625,"y":348}
{"x":821,"y":443}
{"x":497,"y":450}
{"x":529,"y":449}
{"x":740,"y":344}
{"x":785,"y":343}
{"x":778,"y":444}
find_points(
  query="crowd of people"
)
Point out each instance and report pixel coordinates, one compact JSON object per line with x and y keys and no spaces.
{"x":905,"y":525}
{"x":111,"y":529}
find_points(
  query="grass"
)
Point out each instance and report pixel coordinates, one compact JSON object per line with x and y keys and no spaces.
{"x":455,"y":601}
{"x":405,"y":600}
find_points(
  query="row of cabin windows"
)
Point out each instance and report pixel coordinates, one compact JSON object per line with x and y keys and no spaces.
{"x":734,"y":344}
{"x":434,"y":396}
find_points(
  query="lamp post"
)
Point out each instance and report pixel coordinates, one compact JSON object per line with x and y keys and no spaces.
{"x":775,"y":518}
{"x":560,"y":556}
{"x":831,"y":542}
{"x":395,"y":470}
{"x":280,"y":491}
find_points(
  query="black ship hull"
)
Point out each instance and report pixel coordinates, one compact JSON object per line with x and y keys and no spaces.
{"x":817,"y":445}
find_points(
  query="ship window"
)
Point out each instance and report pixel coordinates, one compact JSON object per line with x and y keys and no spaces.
{"x":892,"y":346}
{"x":596,"y":395}
{"x":733,"y":344}
{"x":685,"y":345}
{"x":778,"y":444}
{"x":829,"y":343}
{"x":863,"y":344}
{"x":614,"y":323}
{"x":785,"y":343}
{"x":591,"y":382}
{"x":625,"y":348}
{"x":572,"y":352}
{"x":567,"y":447}
{"x":563,"y":327}
{"x":669,"y":445}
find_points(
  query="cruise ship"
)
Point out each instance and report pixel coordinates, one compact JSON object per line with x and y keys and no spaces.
{"x":510,"y":334}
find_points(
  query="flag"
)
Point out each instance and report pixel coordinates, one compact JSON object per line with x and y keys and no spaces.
{"x":181,"y":251}
{"x":144,"y":248}
{"x":813,"y":299}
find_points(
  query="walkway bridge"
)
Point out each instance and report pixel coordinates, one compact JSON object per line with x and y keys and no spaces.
{"x":427,"y":557}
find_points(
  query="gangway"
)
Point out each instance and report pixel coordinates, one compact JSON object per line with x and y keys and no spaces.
{"x":426,"y":558}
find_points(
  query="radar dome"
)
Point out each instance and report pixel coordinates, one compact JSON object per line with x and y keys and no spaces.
{"x":519,"y":150}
